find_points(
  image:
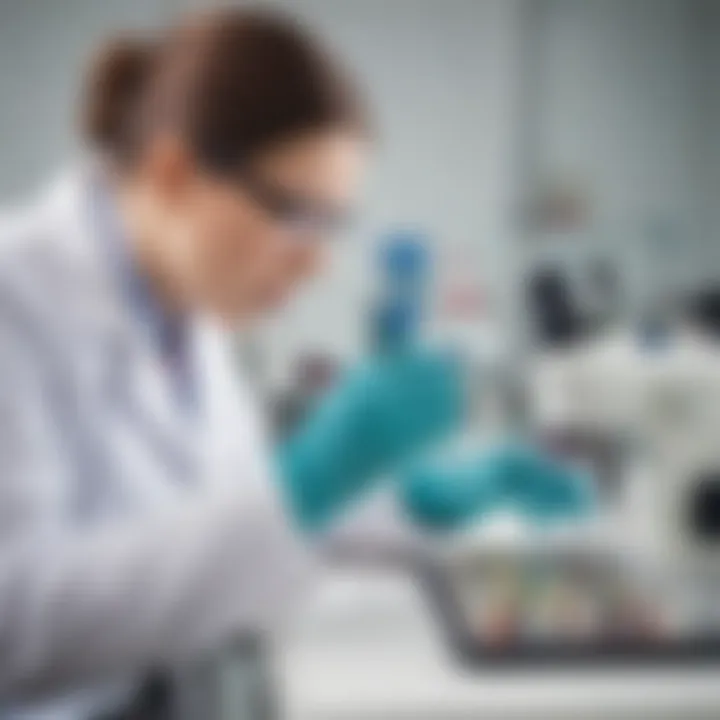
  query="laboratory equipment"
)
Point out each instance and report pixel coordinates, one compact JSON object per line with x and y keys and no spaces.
{"x":403,"y":270}
{"x":662,"y":405}
{"x":556,"y":604}
{"x":644,"y":420}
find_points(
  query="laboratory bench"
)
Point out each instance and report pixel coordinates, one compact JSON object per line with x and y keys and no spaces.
{"x":369,"y":646}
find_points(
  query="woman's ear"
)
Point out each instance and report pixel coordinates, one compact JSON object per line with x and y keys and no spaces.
{"x":169,"y":167}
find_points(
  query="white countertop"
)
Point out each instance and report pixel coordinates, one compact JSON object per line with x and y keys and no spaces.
{"x":368,"y":648}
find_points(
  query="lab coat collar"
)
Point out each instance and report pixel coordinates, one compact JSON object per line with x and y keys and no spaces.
{"x":103,"y":321}
{"x":95,"y":308}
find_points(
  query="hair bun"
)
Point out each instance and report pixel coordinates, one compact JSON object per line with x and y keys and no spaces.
{"x":115,"y":83}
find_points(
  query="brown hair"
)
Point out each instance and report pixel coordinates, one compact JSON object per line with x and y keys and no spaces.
{"x":231,"y":82}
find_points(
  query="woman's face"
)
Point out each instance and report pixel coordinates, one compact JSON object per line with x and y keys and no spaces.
{"x":239,"y":248}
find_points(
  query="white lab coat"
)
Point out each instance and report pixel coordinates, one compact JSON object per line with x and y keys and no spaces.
{"x":108,"y":564}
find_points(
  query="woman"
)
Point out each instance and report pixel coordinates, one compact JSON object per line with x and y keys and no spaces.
{"x":141,"y":521}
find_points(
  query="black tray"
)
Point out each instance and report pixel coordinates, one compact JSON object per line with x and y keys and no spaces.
{"x":471,"y":651}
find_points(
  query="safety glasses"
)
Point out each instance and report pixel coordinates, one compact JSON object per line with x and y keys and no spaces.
{"x":299,"y":215}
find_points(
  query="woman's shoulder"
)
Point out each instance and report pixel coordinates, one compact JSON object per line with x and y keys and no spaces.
{"x":49,"y":271}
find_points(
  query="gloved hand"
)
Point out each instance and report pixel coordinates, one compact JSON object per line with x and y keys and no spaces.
{"x":516,"y":477}
{"x":379,"y":414}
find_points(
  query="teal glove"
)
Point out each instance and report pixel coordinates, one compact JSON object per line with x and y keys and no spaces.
{"x":515,"y":477}
{"x":380,"y":414}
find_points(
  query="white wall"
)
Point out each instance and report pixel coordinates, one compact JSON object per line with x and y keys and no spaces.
{"x":44,"y":45}
{"x":620,"y":113}
{"x":706,"y":146}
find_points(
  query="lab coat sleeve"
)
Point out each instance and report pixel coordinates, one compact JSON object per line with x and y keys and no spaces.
{"x":81,"y":605}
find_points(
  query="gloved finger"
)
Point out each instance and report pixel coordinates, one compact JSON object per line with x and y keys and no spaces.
{"x":564,"y":494}
{"x":448,"y":499}
{"x":535,"y":482}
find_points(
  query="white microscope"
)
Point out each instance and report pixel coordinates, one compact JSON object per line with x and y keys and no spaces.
{"x":659,"y":404}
